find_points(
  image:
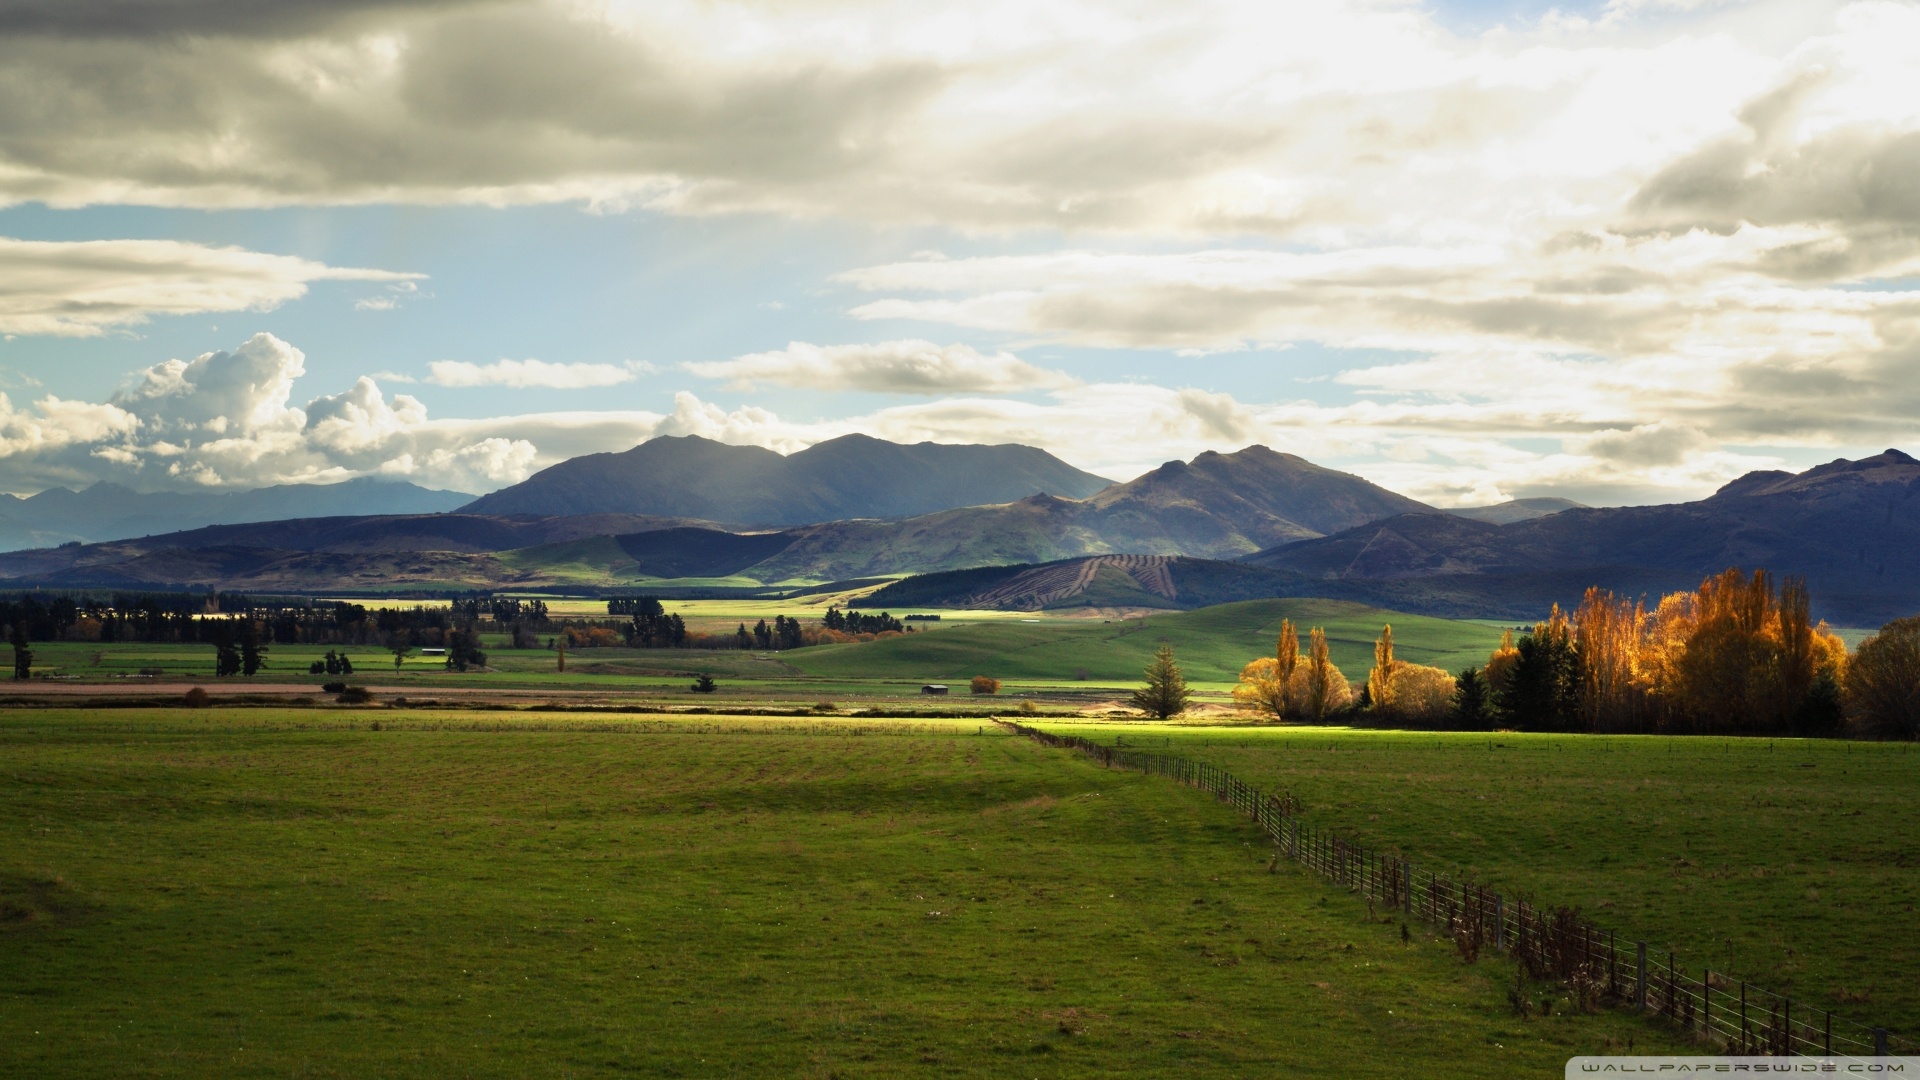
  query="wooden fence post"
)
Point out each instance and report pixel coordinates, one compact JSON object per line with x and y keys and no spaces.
{"x":1706,"y":999}
{"x":1640,"y":976}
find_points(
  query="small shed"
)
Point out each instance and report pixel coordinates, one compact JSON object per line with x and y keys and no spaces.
{"x":934,"y":689}
{"x":433,"y":652}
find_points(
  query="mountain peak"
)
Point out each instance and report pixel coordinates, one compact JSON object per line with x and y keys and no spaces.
{"x":1888,"y":467}
{"x":852,"y":476}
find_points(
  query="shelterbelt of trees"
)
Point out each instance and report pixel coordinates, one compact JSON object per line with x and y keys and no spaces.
{"x":1735,"y":656}
{"x":651,"y":626}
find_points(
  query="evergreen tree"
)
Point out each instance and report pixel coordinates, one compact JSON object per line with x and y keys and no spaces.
{"x":22,"y":655}
{"x":253,"y":651}
{"x":1165,"y":694}
{"x":703,"y":684}
{"x":1472,"y":704}
{"x":226,"y":656}
{"x":1543,"y":693}
{"x":742,"y":639}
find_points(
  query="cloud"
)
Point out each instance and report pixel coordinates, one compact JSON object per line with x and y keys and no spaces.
{"x":887,"y":367}
{"x":85,"y":288}
{"x":530,"y":373}
{"x":227,"y":419}
{"x":1312,"y":121}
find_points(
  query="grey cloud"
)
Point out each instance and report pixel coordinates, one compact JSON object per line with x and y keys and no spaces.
{"x":1648,"y":445}
{"x":83,"y":288}
{"x":489,"y":98}
{"x":175,"y":18}
{"x":1858,"y":180}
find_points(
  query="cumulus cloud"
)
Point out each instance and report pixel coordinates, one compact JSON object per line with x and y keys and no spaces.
{"x":84,"y":288}
{"x":530,"y":373}
{"x":888,"y":367}
{"x":227,"y":419}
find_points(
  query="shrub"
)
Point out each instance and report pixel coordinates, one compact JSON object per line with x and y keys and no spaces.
{"x":198,"y":698}
{"x":983,"y":684}
{"x":318,"y":667}
{"x":355,"y":695}
{"x":334,"y":687}
{"x":824,"y":706}
{"x":1422,"y":695}
{"x":1028,"y":708}
{"x":1882,"y":689}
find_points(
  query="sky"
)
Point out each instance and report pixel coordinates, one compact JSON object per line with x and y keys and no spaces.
{"x":1620,"y":251}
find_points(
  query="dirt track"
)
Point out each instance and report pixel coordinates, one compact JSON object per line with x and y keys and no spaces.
{"x":158,"y":688}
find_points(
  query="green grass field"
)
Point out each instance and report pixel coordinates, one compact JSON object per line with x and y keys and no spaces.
{"x":1212,"y":644}
{"x":1794,"y":863}
{"x":285,"y":892}
{"x":1069,"y":659}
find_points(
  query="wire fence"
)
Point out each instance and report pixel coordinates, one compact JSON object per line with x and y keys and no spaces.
{"x":1548,"y":943}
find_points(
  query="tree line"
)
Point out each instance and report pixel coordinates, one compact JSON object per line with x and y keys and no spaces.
{"x":1739,"y":655}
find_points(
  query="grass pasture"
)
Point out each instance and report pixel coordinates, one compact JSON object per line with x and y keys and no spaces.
{"x":287,"y":892}
{"x":1794,"y":863}
{"x":1212,"y":644}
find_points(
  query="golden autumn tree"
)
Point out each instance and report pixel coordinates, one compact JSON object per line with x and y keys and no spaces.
{"x":1260,"y":688}
{"x":1324,"y":687}
{"x":1736,"y":654}
{"x":1380,"y":679}
{"x":1268,"y":684}
{"x":1499,"y":669}
{"x":1607,"y":632}
{"x":1286,"y":655}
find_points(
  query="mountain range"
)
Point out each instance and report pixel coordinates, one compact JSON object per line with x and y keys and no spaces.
{"x":1851,"y":528}
{"x":854,"y":476}
{"x":1252,"y":523}
{"x":110,"y":512}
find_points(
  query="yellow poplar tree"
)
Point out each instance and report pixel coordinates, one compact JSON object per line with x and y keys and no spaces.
{"x":1380,"y":679}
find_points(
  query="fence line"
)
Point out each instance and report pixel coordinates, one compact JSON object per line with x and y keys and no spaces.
{"x":1549,"y":943}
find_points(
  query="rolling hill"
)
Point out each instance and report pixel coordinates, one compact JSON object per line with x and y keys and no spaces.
{"x":1212,"y":644}
{"x":853,"y":476}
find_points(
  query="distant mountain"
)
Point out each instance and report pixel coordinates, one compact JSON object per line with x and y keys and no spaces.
{"x":854,"y":476}
{"x":1851,"y":528}
{"x":1513,"y":510}
{"x":1218,"y":505}
{"x":212,"y":554}
{"x":111,"y":512}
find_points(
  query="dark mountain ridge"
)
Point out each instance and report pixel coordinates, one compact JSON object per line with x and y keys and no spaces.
{"x":1851,"y":528}
{"x":106,"y":511}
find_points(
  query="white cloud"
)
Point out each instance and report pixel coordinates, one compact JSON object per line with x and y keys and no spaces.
{"x":226,"y":419}
{"x":85,"y":288}
{"x":889,"y":367}
{"x":530,"y":373}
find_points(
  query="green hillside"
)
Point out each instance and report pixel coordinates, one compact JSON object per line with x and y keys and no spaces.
{"x":1212,"y":644}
